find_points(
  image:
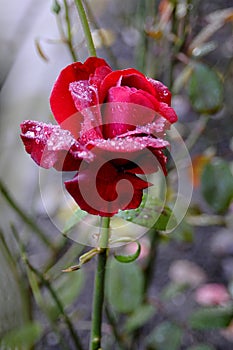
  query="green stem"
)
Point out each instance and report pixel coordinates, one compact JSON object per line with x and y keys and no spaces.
{"x":69,"y":38}
{"x":86,"y":28}
{"x":98,"y":296}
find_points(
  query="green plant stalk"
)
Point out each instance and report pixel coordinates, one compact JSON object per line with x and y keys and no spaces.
{"x":86,"y":27}
{"x":98,"y":295}
{"x":69,"y":38}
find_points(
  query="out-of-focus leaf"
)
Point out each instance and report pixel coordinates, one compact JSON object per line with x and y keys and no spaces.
{"x":172,"y":290}
{"x":139,"y":317}
{"x":211,"y":318}
{"x":21,"y":338}
{"x":198,"y":164}
{"x":201,"y":347}
{"x":124,"y":286}
{"x":217,"y":185}
{"x":75,"y":218}
{"x":129,"y":258}
{"x":151,"y":213}
{"x":183,"y":233}
{"x":165,"y":336}
{"x":205,"y":89}
{"x":56,"y":8}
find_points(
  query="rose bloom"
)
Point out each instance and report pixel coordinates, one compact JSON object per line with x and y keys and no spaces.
{"x":101,"y":135}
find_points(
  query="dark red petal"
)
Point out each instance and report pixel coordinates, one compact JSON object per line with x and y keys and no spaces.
{"x":114,"y":78}
{"x":99,"y":74}
{"x":121,"y":114}
{"x":51,"y":146}
{"x":167,"y":112}
{"x":162,"y":92}
{"x":107,"y":193}
{"x":84,"y":95}
{"x":62,"y":104}
{"x":157,"y":128}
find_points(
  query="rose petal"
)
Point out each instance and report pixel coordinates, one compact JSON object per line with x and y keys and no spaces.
{"x":114,"y":78}
{"x":167,"y":112}
{"x":122,"y":113}
{"x":51,"y":146}
{"x":108,"y":194}
{"x":61,"y":101}
{"x":162,"y":92}
{"x":84,"y":95}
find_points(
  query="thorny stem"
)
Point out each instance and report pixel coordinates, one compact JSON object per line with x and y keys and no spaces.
{"x":98,"y":295}
{"x":69,"y":38}
{"x":86,"y":28}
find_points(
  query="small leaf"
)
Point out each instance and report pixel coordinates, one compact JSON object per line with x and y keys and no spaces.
{"x":124,"y":286}
{"x":165,"y":336}
{"x":139,"y":317}
{"x":205,"y":89}
{"x":211,"y":318}
{"x":151,"y":213}
{"x":75,"y":218}
{"x":40,"y":50}
{"x":129,"y":258}
{"x":217,"y":185}
{"x":172,"y":290}
{"x":56,"y":8}
{"x":24,"y":337}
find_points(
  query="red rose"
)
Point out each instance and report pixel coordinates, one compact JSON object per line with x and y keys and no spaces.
{"x":110,"y":124}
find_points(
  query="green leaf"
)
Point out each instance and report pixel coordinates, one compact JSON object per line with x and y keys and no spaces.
{"x":56,"y":8}
{"x":24,"y":337}
{"x":211,"y":318}
{"x":201,"y":347}
{"x":173,"y":289}
{"x":217,"y":185}
{"x":129,"y":258}
{"x":165,"y":336}
{"x":75,"y":218}
{"x":205,"y":89}
{"x":139,"y":317}
{"x":151,"y":213}
{"x":124,"y":286}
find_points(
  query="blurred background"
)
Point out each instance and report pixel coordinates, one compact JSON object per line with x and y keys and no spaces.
{"x":189,"y":287}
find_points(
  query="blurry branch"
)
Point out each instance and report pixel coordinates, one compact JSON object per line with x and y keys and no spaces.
{"x":196,"y":132}
{"x":102,"y":34}
{"x":46,"y":283}
{"x":25,"y":217}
